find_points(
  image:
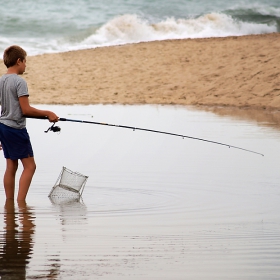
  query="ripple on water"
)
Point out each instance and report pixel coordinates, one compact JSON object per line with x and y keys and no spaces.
{"x":171,"y":210}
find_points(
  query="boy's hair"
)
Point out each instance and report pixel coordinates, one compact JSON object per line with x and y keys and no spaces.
{"x":12,"y":54}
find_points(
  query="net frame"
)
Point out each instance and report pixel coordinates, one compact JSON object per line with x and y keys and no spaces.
{"x":69,"y":184}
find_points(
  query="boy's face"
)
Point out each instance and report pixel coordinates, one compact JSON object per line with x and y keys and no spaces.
{"x":21,"y":66}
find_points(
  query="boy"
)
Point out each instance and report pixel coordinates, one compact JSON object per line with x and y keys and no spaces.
{"x":13,"y":134}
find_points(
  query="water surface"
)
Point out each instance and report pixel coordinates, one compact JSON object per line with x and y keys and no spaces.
{"x":154,"y":206}
{"x":78,"y":24}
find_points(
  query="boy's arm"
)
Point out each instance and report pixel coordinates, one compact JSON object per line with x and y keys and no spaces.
{"x":30,"y":111}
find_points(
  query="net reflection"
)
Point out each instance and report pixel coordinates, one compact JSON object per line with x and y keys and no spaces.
{"x":17,"y":240}
{"x":71,"y":210}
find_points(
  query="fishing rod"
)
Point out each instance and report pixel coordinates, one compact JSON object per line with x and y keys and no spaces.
{"x":55,"y":128}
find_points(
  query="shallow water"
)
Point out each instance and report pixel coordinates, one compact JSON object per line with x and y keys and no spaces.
{"x":154,"y":206}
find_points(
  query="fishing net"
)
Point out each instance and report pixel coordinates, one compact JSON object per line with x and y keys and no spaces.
{"x":69,"y":184}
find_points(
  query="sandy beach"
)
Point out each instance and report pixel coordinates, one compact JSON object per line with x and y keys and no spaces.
{"x":238,"y":72}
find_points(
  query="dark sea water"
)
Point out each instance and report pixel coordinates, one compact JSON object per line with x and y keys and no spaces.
{"x":57,"y":26}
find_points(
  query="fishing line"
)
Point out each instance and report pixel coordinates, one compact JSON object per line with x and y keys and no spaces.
{"x":58,"y":129}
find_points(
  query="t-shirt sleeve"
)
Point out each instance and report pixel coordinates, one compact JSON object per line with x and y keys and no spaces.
{"x":22,"y":89}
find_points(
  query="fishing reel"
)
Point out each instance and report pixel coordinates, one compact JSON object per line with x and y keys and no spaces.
{"x":53,"y":128}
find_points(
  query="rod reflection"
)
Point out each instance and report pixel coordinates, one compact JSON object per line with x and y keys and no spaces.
{"x":17,"y":241}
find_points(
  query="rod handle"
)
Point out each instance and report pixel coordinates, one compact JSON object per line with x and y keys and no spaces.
{"x":43,"y":118}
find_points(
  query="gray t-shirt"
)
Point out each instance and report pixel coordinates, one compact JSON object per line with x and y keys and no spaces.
{"x":11,"y":88}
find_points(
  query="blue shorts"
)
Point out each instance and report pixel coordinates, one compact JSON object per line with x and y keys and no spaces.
{"x":15,"y":142}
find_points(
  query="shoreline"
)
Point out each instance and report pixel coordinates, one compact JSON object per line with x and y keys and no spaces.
{"x":229,"y":72}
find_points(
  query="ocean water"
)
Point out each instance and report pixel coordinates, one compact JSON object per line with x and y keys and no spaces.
{"x":47,"y":26}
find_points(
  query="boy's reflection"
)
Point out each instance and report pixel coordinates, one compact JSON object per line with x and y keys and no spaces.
{"x":16,"y":242}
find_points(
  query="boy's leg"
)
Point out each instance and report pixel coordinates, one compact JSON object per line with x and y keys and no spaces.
{"x":29,"y":168}
{"x":9,"y":178}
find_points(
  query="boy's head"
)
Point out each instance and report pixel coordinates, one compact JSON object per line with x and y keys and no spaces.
{"x":12,"y":54}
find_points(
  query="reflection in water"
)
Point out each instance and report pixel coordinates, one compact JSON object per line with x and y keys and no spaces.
{"x":17,"y":241}
{"x":54,"y":269}
{"x":72,"y":212}
{"x":72,"y":209}
{"x":262,"y":117}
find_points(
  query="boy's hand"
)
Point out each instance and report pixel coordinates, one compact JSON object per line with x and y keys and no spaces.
{"x":0,"y":146}
{"x":53,"y":117}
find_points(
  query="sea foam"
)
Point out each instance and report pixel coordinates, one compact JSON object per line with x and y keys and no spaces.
{"x":131,"y":29}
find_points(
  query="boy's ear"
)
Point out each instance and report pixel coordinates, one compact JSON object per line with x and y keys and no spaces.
{"x":18,"y":61}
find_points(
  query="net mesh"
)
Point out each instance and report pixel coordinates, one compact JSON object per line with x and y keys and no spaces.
{"x":69,"y":184}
